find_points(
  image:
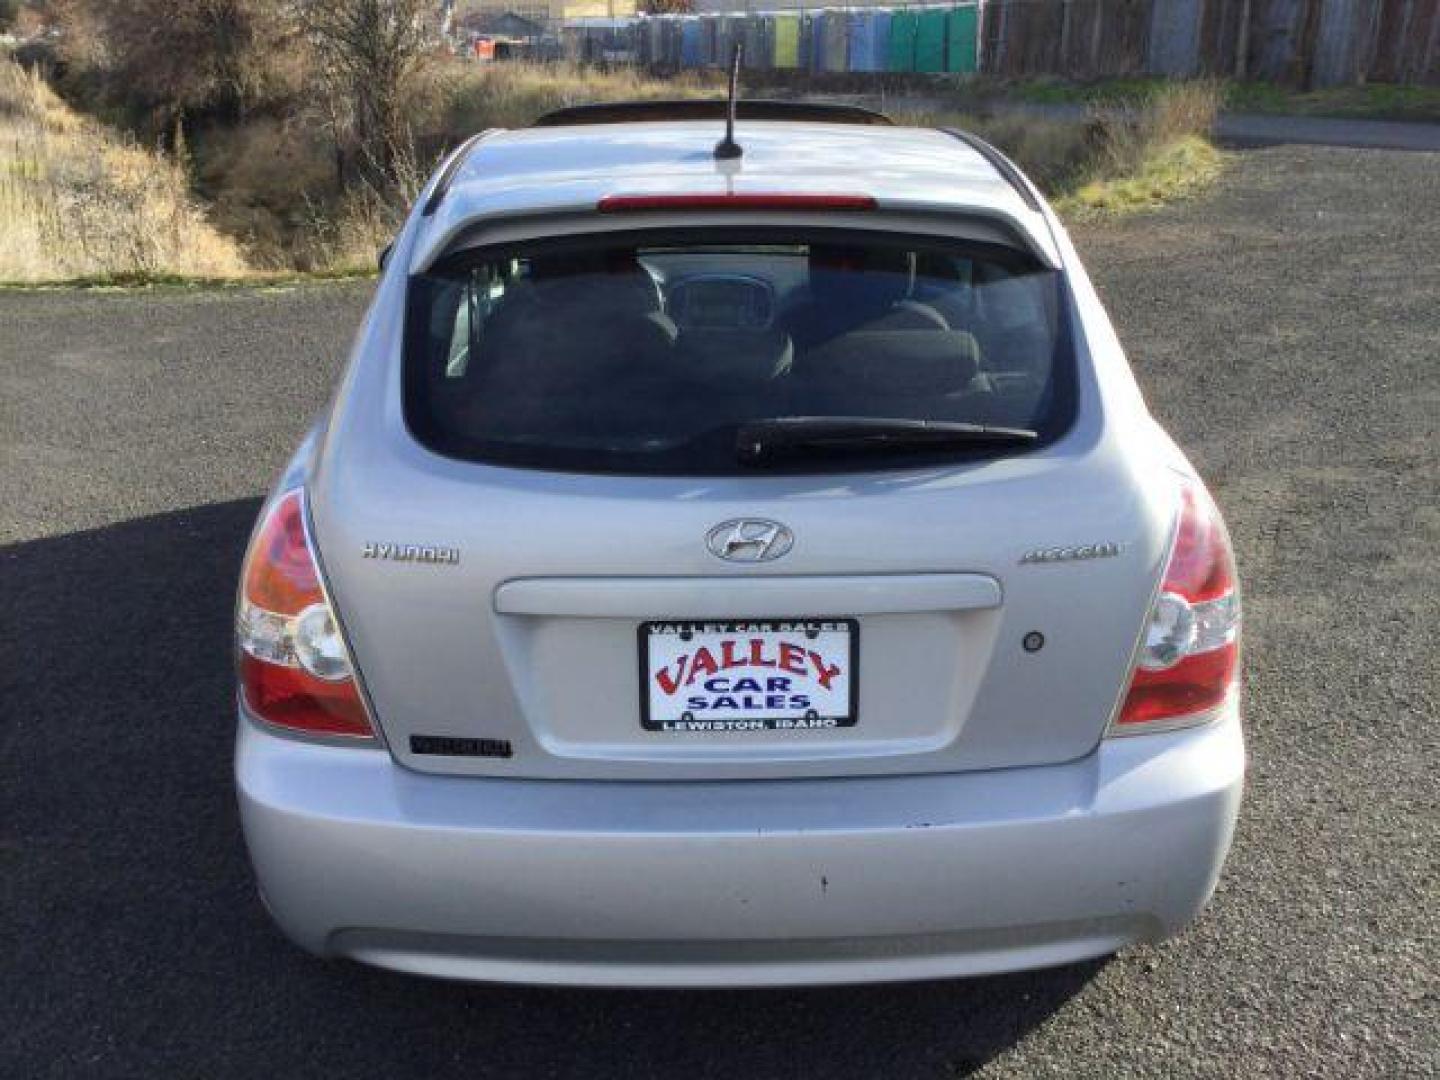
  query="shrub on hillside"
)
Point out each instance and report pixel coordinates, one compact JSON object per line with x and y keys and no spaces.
{"x":161,"y":60}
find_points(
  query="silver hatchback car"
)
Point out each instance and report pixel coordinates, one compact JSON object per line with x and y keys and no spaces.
{"x":735,"y":565}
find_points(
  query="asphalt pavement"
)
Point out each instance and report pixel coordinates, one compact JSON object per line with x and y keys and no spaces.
{"x":1277,"y":129}
{"x":1286,"y":329}
{"x":1257,"y":129}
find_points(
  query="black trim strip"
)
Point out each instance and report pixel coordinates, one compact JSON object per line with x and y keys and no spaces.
{"x":1000,"y":162}
{"x":442,"y":186}
{"x":628,"y":112}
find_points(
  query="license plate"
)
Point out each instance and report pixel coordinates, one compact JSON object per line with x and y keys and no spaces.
{"x":748,"y":675}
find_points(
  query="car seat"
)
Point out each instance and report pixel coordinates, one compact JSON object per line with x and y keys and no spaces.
{"x":859,"y":289}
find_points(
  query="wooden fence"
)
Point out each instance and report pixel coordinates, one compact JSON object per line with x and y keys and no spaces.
{"x":1304,"y":43}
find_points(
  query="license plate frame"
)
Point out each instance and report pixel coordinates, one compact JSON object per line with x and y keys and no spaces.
{"x":708,"y":632}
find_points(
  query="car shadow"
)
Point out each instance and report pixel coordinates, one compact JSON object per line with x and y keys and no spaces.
{"x":132,"y":941}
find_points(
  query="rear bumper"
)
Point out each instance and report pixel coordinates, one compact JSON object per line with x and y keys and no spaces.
{"x":738,"y":883}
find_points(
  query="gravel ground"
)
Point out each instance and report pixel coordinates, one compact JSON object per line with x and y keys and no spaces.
{"x":1285,"y":330}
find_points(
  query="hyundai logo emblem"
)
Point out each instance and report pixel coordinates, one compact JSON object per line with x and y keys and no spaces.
{"x":749,"y":540}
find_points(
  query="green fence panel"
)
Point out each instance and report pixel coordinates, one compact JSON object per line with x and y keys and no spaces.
{"x":903,"y":25}
{"x":962,"y":24}
{"x":787,"y":41}
{"x":930,"y":41}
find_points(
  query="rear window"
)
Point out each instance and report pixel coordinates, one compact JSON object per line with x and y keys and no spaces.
{"x":651,"y":352}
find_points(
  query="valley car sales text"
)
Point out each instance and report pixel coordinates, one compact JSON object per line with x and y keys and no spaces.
{"x":748,"y":675}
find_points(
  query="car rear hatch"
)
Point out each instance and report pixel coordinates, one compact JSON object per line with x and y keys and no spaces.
{"x":554,"y":556}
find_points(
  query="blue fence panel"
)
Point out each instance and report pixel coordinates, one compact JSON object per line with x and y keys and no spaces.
{"x":837,"y":27}
{"x":690,"y":43}
{"x":857,"y":29}
{"x":880,"y":40}
{"x":869,"y":40}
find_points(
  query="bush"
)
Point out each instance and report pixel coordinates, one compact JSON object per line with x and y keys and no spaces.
{"x":367,"y":54}
{"x":1127,"y":133}
{"x":266,"y":181}
{"x":157,"y":61}
{"x":1148,"y":153}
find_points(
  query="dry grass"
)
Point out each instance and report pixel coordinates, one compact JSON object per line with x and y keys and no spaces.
{"x":345,"y":238}
{"x":465,"y":98}
{"x":1185,"y":108}
{"x":79,"y":201}
{"x":1173,"y":171}
{"x":1152,"y":153}
{"x":1125,"y":155}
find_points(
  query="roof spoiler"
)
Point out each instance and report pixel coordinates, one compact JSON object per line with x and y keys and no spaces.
{"x":999,"y":162}
{"x":451,"y":167}
{"x":632,"y":112}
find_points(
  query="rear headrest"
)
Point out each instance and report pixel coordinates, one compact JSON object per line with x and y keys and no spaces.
{"x":734,"y":357}
{"x":871,"y":278}
{"x":891,"y":363}
{"x":599,"y":282}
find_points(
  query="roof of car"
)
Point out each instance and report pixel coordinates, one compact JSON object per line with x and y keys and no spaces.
{"x":568,"y":169}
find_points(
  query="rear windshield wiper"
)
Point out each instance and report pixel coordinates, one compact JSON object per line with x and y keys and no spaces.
{"x":761,"y":442}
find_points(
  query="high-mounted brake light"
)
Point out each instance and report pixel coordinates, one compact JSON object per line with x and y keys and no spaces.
{"x":294,"y":667}
{"x":1190,"y":658}
{"x":627,"y":204}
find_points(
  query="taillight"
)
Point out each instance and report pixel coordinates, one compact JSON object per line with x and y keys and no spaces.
{"x":294,"y":667}
{"x":1189,"y":660}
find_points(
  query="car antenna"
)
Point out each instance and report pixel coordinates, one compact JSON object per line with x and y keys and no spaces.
{"x":727,"y":148}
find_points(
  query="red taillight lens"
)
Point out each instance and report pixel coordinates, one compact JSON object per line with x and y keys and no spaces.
{"x":294,"y":668}
{"x":1190,"y":657}
{"x":623,"y":204}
